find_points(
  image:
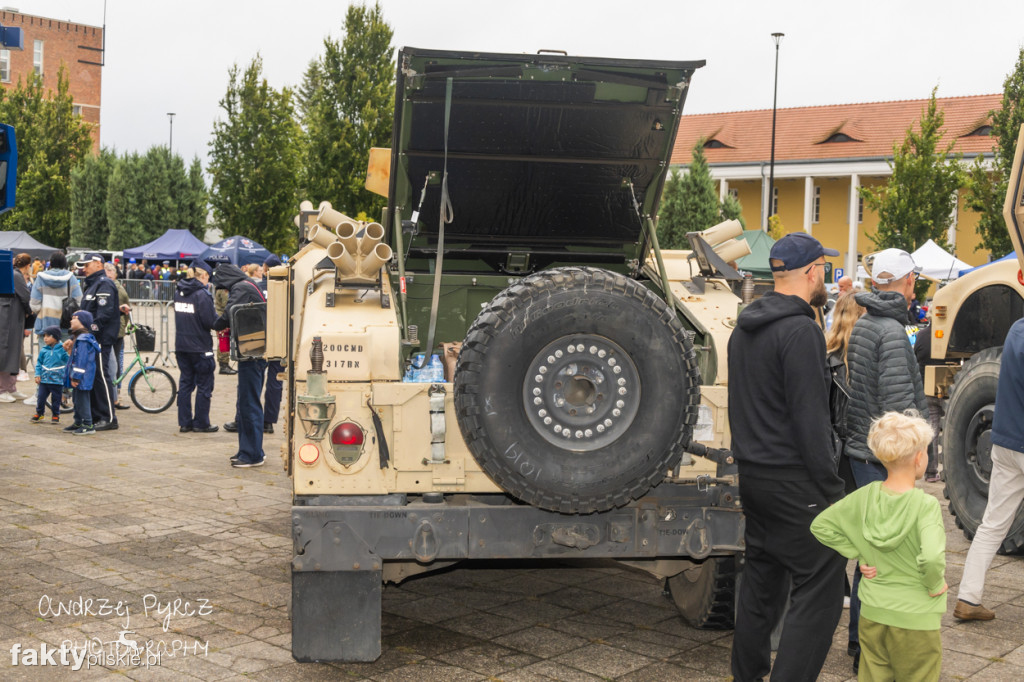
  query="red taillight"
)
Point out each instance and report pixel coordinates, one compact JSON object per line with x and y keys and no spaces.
{"x":347,"y":433}
{"x":309,"y":453}
{"x":1020,"y":277}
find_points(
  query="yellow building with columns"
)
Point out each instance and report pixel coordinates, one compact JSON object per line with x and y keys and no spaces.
{"x":823,"y":155}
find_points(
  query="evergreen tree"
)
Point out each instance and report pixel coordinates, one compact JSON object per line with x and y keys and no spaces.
{"x":89,"y":182}
{"x":732,"y":209}
{"x":196,"y":201}
{"x":670,"y":212}
{"x":917,"y":203}
{"x":51,"y":141}
{"x":254,"y":160}
{"x":348,"y":102}
{"x":986,"y":189}
{"x":125,"y":198}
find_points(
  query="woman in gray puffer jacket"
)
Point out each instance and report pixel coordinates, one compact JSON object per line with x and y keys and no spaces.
{"x":51,"y":288}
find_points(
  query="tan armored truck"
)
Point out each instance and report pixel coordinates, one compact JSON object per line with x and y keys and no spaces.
{"x":970,"y":319}
{"x":522,"y":191}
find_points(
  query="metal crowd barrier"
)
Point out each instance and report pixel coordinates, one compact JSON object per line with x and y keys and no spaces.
{"x":152,"y":305}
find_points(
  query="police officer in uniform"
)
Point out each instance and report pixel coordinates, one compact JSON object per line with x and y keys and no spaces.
{"x":194,"y":317}
{"x":101,"y":301}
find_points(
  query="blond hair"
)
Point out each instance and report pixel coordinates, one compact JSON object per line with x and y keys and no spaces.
{"x":897,"y":435}
{"x":844,"y":316}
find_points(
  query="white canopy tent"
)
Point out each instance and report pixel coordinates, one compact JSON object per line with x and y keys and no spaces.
{"x":934,"y":261}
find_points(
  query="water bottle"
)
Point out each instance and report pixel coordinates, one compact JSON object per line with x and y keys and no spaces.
{"x":415,"y":371}
{"x":436,"y":370}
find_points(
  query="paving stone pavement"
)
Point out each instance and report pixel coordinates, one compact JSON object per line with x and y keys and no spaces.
{"x":197,"y":554}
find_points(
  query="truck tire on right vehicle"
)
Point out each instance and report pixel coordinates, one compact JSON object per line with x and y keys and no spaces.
{"x":967,"y":445}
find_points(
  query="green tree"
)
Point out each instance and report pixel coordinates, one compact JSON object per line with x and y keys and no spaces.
{"x":51,"y":141}
{"x":255,"y":161}
{"x":696,"y":205}
{"x":89,"y":183}
{"x":348,"y":101}
{"x":732,"y":209}
{"x":670,"y":212}
{"x":918,"y":201}
{"x":196,"y":201}
{"x":127,"y":227}
{"x":986,"y":189}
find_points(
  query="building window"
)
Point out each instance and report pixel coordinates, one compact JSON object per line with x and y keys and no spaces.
{"x":817,"y":205}
{"x":839,"y":137}
{"x":715,"y":144}
{"x":5,"y":66}
{"x":37,"y":57}
{"x":860,"y":209}
{"x":775,"y":201}
{"x":76,"y":109}
{"x":734,"y":193}
{"x":981,"y":131}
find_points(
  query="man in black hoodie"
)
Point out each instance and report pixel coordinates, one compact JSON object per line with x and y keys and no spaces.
{"x":783,"y":443}
{"x":242,"y":290}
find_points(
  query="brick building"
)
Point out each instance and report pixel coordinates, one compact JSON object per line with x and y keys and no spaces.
{"x":823,"y":154}
{"x":48,"y":44}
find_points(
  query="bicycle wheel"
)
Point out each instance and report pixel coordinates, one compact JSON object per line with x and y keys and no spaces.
{"x":153,"y":390}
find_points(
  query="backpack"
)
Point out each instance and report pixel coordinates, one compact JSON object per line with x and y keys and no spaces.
{"x":69,"y":309}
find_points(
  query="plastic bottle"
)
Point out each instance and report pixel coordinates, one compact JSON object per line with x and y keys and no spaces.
{"x":436,"y":371}
{"x":416,"y":370}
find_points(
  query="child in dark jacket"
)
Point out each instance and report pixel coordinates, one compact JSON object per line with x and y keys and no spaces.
{"x":81,"y":371}
{"x":50,"y":375}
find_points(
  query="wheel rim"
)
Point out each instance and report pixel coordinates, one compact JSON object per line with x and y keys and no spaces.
{"x":581,"y":392}
{"x":978,"y":446}
{"x":152,"y":392}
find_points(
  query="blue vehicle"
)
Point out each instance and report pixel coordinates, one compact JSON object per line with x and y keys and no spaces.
{"x":8,"y":167}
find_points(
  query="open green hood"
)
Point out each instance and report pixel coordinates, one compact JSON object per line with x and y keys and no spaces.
{"x":545,"y":153}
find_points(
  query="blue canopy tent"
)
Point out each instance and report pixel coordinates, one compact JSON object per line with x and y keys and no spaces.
{"x":237,"y":250}
{"x":171,"y":245}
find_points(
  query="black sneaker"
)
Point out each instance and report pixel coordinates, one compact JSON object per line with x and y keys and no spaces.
{"x":106,"y":426}
{"x":209,"y":429}
{"x":241,"y":464}
{"x":85,"y":430}
{"x":268,"y":428}
{"x":36,"y":418}
{"x":228,"y":370}
{"x":73,"y":427}
{"x":185,"y":429}
{"x":231,"y":427}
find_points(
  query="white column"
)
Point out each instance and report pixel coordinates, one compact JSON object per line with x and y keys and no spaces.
{"x":951,"y":236}
{"x":723,"y":189}
{"x":766,"y":205}
{"x":808,"y":204}
{"x":851,"y":255}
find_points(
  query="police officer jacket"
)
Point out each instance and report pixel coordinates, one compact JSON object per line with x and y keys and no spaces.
{"x":193,"y":317}
{"x":102,"y":301}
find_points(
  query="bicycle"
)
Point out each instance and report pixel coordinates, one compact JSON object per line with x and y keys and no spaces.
{"x":152,"y":389}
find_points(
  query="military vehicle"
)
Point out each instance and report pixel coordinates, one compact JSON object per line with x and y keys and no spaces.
{"x":522,"y":192}
{"x":970,"y":319}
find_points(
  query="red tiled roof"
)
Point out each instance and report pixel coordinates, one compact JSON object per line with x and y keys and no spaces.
{"x":800,"y":132}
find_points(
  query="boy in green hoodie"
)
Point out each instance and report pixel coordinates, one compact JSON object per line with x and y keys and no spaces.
{"x":895,"y":531}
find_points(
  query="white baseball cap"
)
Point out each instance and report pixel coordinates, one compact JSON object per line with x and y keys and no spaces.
{"x":890,"y":265}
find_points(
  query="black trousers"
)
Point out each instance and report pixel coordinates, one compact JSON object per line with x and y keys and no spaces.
{"x":103,"y":387}
{"x":780,"y":543}
{"x":196,"y":374}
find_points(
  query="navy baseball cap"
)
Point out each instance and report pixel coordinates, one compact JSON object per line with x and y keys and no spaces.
{"x":89,"y":257}
{"x":200,"y":264}
{"x":796,"y":250}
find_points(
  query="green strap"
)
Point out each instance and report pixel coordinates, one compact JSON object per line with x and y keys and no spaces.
{"x":446,"y":216}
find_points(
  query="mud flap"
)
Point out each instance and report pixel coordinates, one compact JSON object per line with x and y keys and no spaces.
{"x":336,"y":616}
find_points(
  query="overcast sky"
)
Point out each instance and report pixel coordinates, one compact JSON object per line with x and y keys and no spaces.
{"x":165,"y":56}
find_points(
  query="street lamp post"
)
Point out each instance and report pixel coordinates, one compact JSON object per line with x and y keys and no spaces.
{"x":777,"y":37}
{"x":170,"y":141}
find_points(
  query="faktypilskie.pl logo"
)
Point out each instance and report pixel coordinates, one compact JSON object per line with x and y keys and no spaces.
{"x":122,"y":649}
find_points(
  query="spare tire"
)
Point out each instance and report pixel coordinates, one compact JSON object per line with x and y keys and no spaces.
{"x":577,"y":389}
{"x":967,"y":445}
